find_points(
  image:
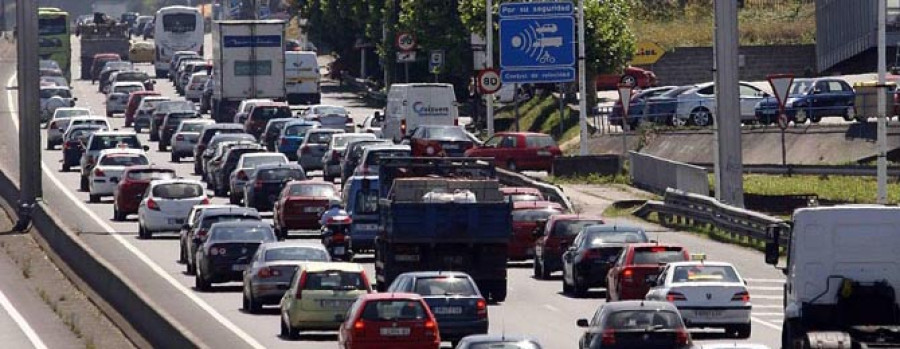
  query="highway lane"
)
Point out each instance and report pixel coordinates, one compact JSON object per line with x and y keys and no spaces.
{"x":534,"y":307}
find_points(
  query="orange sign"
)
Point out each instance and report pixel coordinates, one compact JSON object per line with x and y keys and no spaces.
{"x":646,"y":53}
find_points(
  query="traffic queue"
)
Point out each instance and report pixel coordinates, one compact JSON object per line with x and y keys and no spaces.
{"x":420,"y":193}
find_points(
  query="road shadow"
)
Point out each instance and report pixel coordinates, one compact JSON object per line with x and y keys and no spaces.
{"x":314,"y":337}
{"x":551,"y":278}
{"x":264,"y":311}
{"x":223,"y":289}
{"x":590,"y":294}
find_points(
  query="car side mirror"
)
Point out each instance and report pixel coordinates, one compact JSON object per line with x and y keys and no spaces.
{"x":816,"y":91}
{"x":582,"y":323}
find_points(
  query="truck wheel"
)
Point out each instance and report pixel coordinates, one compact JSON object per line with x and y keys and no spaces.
{"x":789,"y":335}
{"x":175,"y":158}
{"x":538,"y":273}
{"x":65,"y":168}
{"x":498,"y":294}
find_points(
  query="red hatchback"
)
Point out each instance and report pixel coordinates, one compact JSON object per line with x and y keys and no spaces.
{"x":131,"y":188}
{"x":300,"y":204}
{"x":134,"y":99}
{"x":555,"y":238}
{"x":628,"y":277}
{"x":519,"y":151}
{"x":260,"y":115}
{"x":634,"y":76}
{"x":389,"y":320}
{"x":516,"y":194}
{"x":526,"y":216}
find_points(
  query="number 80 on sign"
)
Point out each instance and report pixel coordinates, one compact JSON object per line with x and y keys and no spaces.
{"x":488,"y":81}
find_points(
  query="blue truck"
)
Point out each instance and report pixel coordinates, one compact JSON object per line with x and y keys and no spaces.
{"x":418,"y":234}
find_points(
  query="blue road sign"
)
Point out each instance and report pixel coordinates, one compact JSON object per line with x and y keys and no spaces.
{"x":537,"y":42}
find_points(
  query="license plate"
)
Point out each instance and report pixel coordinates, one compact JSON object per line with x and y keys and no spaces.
{"x":447,"y":310}
{"x":339,"y":250}
{"x":708,"y":313}
{"x":394,"y":331}
{"x":176,"y":221}
{"x":367,"y":227}
{"x":333,"y":303}
{"x":311,"y":209}
{"x":238,"y":267}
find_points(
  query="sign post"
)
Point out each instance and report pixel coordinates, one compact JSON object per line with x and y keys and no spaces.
{"x":625,"y":98}
{"x":436,"y":63}
{"x":406,"y":43}
{"x":781,"y":86}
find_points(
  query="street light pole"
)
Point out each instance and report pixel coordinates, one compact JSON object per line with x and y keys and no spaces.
{"x":489,"y":62}
{"x":29,"y":107}
{"x":882,"y":106}
{"x":582,"y":85}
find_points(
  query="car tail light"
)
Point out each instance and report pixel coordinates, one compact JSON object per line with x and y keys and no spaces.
{"x":242,"y":175}
{"x":658,"y":249}
{"x":300,"y":285}
{"x":359,"y":327}
{"x":403,"y":127}
{"x":455,"y":121}
{"x":430,"y":325}
{"x":628,"y":275}
{"x":201,"y":233}
{"x":268,"y":272}
{"x":682,"y":337}
{"x":99,"y":173}
{"x":304,"y":149}
{"x":481,"y":306}
{"x":742,"y":296}
{"x":69,"y":145}
{"x":152,"y":205}
{"x":590,"y":254}
{"x":179,"y":138}
{"x":338,"y":238}
{"x":675,"y":296}
{"x":608,"y":337}
{"x":205,"y":201}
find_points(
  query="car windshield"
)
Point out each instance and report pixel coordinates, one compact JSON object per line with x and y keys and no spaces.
{"x":275,"y":126}
{"x":209,"y":221}
{"x":199,"y":79}
{"x":191,"y":126}
{"x":319,"y":137}
{"x":280,"y":174}
{"x":571,"y":227}
{"x":60,"y":92}
{"x":598,"y":238}
{"x":109,"y":141}
{"x":453,"y":133}
{"x":658,"y":255}
{"x":82,"y":134}
{"x":539,"y":142}
{"x":149,"y":175}
{"x":341,"y":142}
{"x":243,"y":233}
{"x":316,"y":190}
{"x":375,"y":157}
{"x":264,"y":114}
{"x":393,"y":310}
{"x":132,"y":76}
{"x":505,"y":345}
{"x":643,"y":320}
{"x":124,"y":160}
{"x":183,"y":115}
{"x":704,"y":273}
{"x":127,"y":89}
{"x":334,"y":280}
{"x":533,"y":215}
{"x":68,"y":113}
{"x":175,"y":105}
{"x":150,"y":104}
{"x":296,"y":253}
{"x":178,"y":191}
{"x":444,"y":286}
{"x":117,"y":65}
{"x":325,"y":110}
{"x":253,"y":161}
{"x":48,"y":64}
{"x":297,"y":130}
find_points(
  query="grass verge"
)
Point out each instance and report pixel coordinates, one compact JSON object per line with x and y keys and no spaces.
{"x":591,"y":179}
{"x":849,"y":189}
{"x":540,"y":114}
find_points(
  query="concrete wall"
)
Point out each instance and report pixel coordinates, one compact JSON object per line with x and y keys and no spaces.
{"x":691,"y":65}
{"x":657,"y":174}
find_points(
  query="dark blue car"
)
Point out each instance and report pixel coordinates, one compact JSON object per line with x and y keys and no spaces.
{"x":811,"y":99}
{"x":453,"y":297}
{"x":661,"y":109}
{"x":638,"y":106}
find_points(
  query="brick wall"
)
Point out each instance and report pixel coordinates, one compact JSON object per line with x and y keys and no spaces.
{"x":691,"y":65}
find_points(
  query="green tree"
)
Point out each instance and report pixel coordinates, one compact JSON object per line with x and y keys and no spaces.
{"x":436,"y":25}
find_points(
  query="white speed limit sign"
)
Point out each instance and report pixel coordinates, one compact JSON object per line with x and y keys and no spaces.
{"x":406,"y":42}
{"x":489,"y":81}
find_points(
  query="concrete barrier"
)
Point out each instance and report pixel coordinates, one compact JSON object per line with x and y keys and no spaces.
{"x":657,"y":174}
{"x":551,"y":192}
{"x":142,"y":321}
{"x":571,"y":166}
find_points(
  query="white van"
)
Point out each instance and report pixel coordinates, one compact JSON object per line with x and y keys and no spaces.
{"x":301,"y":77}
{"x":411,"y":105}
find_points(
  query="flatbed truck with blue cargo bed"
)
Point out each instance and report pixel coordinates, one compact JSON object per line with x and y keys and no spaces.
{"x":420,"y":234}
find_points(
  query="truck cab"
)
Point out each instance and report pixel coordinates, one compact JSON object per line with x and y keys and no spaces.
{"x":841,"y":274}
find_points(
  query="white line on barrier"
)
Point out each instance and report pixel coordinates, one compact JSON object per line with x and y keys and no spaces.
{"x":21,"y":322}
{"x":130,"y":247}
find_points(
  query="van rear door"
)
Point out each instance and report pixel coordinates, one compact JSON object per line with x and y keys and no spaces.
{"x":431,"y":104}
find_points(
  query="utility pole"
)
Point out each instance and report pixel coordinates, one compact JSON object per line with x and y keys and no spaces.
{"x":582,"y":85}
{"x":489,"y":63}
{"x":29,"y":104}
{"x":729,"y":177}
{"x":882,"y":106}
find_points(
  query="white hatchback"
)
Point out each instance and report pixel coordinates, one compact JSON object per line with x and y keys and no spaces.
{"x":105,"y":175}
{"x":58,"y":123}
{"x":186,"y":136}
{"x":167,"y":204}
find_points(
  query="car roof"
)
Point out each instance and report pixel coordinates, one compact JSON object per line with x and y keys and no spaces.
{"x":519,"y":190}
{"x":128,"y":83}
{"x":325,"y":130}
{"x":262,"y":154}
{"x":520,"y":133}
{"x":611,"y":227}
{"x":376,"y":147}
{"x":430,"y":274}
{"x":122,"y":151}
{"x":55,"y":88}
{"x":291,"y":165}
{"x":524,"y":205}
{"x":638,"y":305}
{"x":390,"y":295}
{"x":481,"y":338}
{"x":701,"y":263}
{"x":144,"y":92}
{"x":220,"y":211}
{"x":116,"y":133}
{"x":240,"y":224}
{"x":574,"y":217}
{"x":300,"y":122}
{"x":323,"y":266}
{"x":293,"y":243}
{"x":270,"y":104}
{"x":90,"y":117}
{"x":198,"y":121}
{"x":653,"y":244}
{"x":225,"y":126}
{"x":175,"y":181}
{"x":72,"y":108}
{"x":309,"y":181}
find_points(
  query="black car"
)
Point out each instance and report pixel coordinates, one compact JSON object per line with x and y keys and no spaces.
{"x":228,"y":251}
{"x":637,"y":107}
{"x":163,"y":109}
{"x":453,"y":297}
{"x":352,"y":154}
{"x":206,"y":134}
{"x":593,"y":252}
{"x":73,"y":145}
{"x":212,"y":148}
{"x":170,"y":124}
{"x":272,"y":131}
{"x":206,"y":98}
{"x":266,"y":182}
{"x":222,"y":170}
{"x":661,"y":109}
{"x":197,"y":233}
{"x":635,"y":324}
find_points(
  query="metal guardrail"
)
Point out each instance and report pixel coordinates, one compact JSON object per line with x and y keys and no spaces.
{"x":550,"y":191}
{"x":833,"y":170}
{"x":692,"y":209}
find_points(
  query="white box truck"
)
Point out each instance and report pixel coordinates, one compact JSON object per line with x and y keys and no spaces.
{"x":248,"y":63}
{"x":411,"y":105}
{"x":842,"y":276}
{"x":301,"y":77}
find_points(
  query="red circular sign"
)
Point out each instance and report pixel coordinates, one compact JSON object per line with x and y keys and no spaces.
{"x":488,"y":81}
{"x":406,"y":42}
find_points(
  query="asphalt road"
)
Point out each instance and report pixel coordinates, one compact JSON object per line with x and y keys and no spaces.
{"x":536,"y":308}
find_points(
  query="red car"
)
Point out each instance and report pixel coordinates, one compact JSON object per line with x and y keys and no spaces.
{"x":134,"y":100}
{"x":516,"y":194}
{"x":131,"y":188}
{"x":628,"y":277}
{"x":389,"y":320}
{"x":634,"y":76}
{"x":525,"y":217}
{"x":439,"y":140}
{"x":556,"y":237}
{"x":260,"y":115}
{"x":99,"y":60}
{"x":300,"y":204}
{"x":519,"y":151}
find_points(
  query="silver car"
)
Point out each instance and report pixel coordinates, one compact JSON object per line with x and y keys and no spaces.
{"x":118,"y":96}
{"x":272,"y":268}
{"x":244,"y":167}
{"x":185,"y":137}
{"x":145,"y":110}
{"x":315,"y":142}
{"x":331,"y":161}
{"x":58,"y":123}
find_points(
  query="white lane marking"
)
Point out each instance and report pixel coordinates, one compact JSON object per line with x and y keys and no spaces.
{"x":768,"y":314}
{"x":766,"y":288}
{"x":551,"y":308}
{"x":757,"y":306}
{"x":130,"y":247}
{"x":766,"y":281}
{"x":23,"y":325}
{"x":766,"y":323}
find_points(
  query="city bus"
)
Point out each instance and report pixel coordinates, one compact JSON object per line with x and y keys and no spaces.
{"x":178,"y":28}
{"x":54,"y":38}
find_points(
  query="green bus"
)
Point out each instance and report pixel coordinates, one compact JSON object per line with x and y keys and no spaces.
{"x":55,"y":39}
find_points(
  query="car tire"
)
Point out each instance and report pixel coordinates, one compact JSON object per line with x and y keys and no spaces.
{"x":175,"y":158}
{"x":200,"y":282}
{"x":65,"y":168}
{"x":538,"y":273}
{"x":234,"y":200}
{"x":253,"y":307}
{"x":93,"y":198}
{"x":607,"y":294}
{"x":545,"y":274}
{"x":50,"y":145}
{"x":815,"y":119}
{"x":84,"y":184}
{"x":628,"y":80}
{"x":109,"y":114}
{"x":189,"y":268}
{"x":511,"y":165}
{"x":566,"y":288}
{"x":154,"y":137}
{"x":182,"y":257}
{"x":742,"y":331}
{"x":161,"y":147}
{"x":118,"y":216}
{"x":579,"y":290}
{"x":137,"y":129}
{"x":701,"y":117}
{"x":849,"y":113}
{"x":289,"y":332}
{"x":498,"y":294}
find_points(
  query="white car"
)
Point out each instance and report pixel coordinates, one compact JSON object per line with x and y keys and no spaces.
{"x":193,"y":90}
{"x":145,"y":111}
{"x":330,"y":116}
{"x":707,"y":294}
{"x":118,"y":96}
{"x":331,"y":161}
{"x":372,"y":155}
{"x":244,"y":168}
{"x":58,"y":123}
{"x":697,"y":106}
{"x":372,"y":125}
{"x":105,"y":175}
{"x":186,"y":136}
{"x":167,"y":204}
